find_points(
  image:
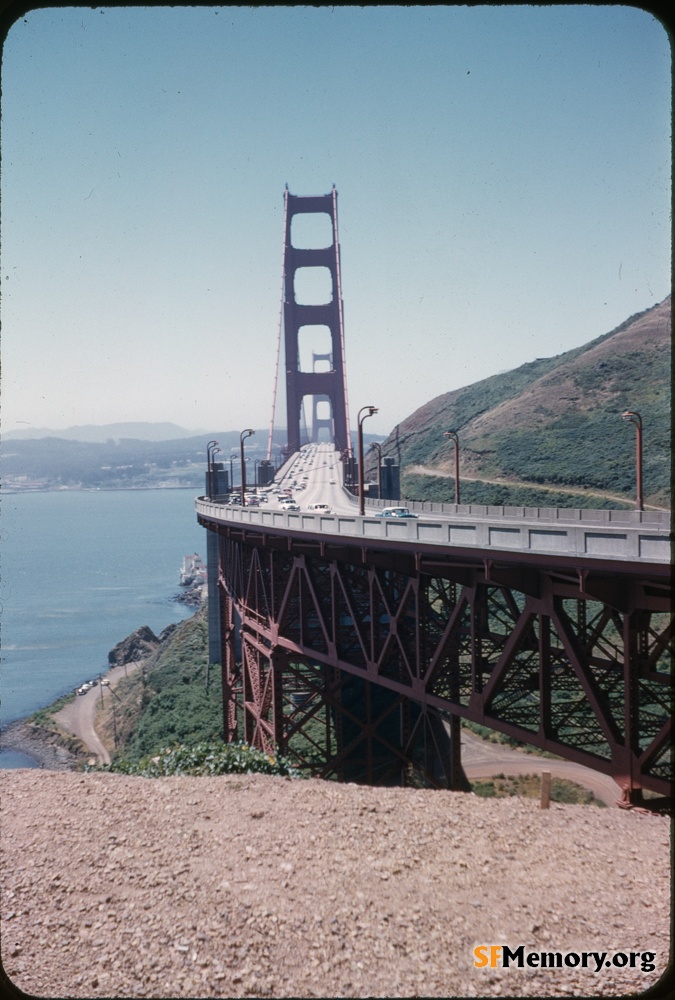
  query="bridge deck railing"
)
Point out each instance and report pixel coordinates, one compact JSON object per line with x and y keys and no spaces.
{"x":642,"y":536}
{"x":653,"y":518}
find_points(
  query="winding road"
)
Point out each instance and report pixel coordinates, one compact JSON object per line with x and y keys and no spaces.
{"x":482,"y":759}
{"x":79,"y":716}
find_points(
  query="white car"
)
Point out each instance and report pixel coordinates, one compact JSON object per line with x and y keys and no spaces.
{"x":320,"y":508}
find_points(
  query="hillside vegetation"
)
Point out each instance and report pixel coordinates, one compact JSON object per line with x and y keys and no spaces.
{"x":175,"y":698}
{"x":550,"y":433}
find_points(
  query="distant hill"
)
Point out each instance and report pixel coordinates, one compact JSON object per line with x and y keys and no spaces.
{"x":119,"y":463}
{"x":126,"y":462}
{"x":100,"y":433}
{"x":551,"y":430}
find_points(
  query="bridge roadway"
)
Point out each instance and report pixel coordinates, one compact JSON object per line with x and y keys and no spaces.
{"x":551,"y":626}
{"x":619,"y":538}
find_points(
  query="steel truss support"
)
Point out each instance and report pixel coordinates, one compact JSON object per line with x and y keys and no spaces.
{"x":359,"y":664}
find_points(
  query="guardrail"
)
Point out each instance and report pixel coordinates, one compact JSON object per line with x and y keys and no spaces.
{"x":618,"y":535}
{"x":653,"y":518}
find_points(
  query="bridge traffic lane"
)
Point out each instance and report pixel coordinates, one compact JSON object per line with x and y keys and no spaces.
{"x":314,"y":475}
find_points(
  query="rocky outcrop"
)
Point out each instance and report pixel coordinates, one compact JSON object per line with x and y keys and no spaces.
{"x":193,"y":597}
{"x":44,"y":746}
{"x":167,"y":632}
{"x":137,"y":646}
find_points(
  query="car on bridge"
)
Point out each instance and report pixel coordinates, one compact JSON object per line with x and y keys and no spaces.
{"x":395,"y":512}
{"x":320,"y":508}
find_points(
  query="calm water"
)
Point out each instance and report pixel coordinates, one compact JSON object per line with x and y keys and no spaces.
{"x":80,"y":572}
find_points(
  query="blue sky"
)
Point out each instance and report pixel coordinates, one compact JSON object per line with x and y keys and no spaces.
{"x":503,"y":178}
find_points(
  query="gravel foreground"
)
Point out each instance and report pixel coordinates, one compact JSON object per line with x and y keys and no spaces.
{"x":246,"y":886}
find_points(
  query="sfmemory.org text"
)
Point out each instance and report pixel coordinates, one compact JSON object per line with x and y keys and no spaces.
{"x":492,"y":956}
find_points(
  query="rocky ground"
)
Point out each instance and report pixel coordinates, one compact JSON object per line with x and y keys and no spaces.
{"x":249,"y":886}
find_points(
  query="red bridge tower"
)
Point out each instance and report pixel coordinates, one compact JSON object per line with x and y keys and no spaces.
{"x":331,"y":385}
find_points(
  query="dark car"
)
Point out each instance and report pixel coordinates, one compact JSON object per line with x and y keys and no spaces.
{"x":396,"y":512}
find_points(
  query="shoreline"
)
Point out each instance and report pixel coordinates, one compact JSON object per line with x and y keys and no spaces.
{"x":49,"y":749}
{"x":41,"y":745}
{"x":46,"y":747}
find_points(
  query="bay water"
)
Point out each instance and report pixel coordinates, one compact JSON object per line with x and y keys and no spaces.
{"x":80,"y":571}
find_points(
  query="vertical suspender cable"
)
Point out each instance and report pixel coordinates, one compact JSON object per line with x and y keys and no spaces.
{"x":280,"y":325}
{"x":342,"y":328}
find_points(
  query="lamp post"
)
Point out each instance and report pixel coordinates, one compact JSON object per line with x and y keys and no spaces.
{"x":214,"y":475}
{"x":455,"y":440}
{"x":242,"y":437}
{"x":209,"y":460}
{"x":213,"y":484}
{"x":635,"y":418}
{"x":367,"y":411}
{"x":376,"y":446}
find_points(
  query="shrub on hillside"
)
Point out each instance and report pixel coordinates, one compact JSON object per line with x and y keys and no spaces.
{"x":209,"y":758}
{"x":182,"y":713}
{"x":178,"y":706}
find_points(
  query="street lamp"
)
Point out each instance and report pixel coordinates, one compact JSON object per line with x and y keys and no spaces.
{"x":214,"y":475}
{"x":209,"y":459}
{"x":376,"y":446}
{"x":367,"y":411}
{"x":635,"y":418}
{"x":455,"y":440}
{"x":214,"y":480}
{"x":242,"y":437}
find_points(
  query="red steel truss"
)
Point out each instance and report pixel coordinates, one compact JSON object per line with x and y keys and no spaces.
{"x":358,"y":662}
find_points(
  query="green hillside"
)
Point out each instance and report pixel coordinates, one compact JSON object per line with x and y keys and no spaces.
{"x":174,"y":699}
{"x":550,"y":433}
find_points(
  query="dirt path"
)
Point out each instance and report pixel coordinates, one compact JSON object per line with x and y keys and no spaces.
{"x":79,"y":717}
{"x":482,"y":759}
{"x":422,"y":470}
